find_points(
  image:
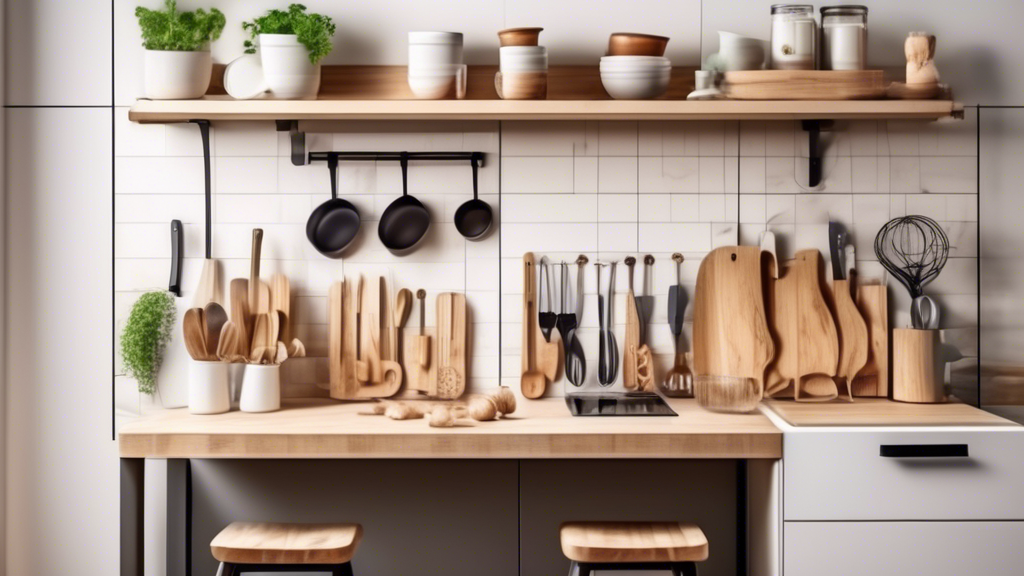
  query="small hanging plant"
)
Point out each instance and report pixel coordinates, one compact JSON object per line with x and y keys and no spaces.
{"x":169,"y":29}
{"x":314,"y":31}
{"x":145,"y":337}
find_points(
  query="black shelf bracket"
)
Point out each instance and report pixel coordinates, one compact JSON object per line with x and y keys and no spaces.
{"x":474,"y":157}
{"x":814,"y":149}
{"x":298,"y":140}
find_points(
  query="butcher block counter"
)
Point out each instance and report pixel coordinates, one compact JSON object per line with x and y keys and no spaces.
{"x":313,"y":428}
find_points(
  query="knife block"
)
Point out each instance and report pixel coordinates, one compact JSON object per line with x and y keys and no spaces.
{"x":919,"y":359}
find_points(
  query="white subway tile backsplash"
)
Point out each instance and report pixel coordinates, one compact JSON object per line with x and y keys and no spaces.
{"x":525,"y":175}
{"x":617,"y":175}
{"x":665,"y":175}
{"x":605,"y":189}
{"x":617,"y":139}
{"x":949,"y":175}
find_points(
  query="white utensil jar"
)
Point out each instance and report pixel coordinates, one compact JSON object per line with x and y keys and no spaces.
{"x":844,"y":37}
{"x":261,"y":388}
{"x":208,"y":387}
{"x":794,"y":37}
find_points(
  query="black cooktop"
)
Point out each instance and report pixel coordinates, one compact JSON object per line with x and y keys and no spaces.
{"x":621,"y":404}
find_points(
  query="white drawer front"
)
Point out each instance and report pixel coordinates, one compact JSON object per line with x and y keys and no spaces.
{"x":840,"y":475}
{"x":903,"y":548}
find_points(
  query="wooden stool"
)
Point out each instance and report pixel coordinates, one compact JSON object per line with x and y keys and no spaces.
{"x":269,"y":547}
{"x":633,"y":546}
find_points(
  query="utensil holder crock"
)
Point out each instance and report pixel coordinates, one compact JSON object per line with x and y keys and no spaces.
{"x":919,"y":359}
{"x":208,"y":387}
{"x":261,"y":388}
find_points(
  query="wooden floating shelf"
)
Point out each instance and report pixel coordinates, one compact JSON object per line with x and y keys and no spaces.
{"x":574,"y":93}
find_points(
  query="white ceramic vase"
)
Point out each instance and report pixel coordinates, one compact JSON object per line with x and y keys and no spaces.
{"x":261,"y":388}
{"x":208,"y":387}
{"x":171,"y":75}
{"x":286,"y":67}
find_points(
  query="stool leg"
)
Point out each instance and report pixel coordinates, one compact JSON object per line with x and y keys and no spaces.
{"x":584,"y":569}
{"x":227,"y":569}
{"x":685,"y":569}
{"x":342,"y":570}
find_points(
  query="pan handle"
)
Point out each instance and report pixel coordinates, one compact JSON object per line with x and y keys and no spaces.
{"x":332,"y":165}
{"x":176,"y":254}
{"x":473,"y":164}
{"x":405,"y":173}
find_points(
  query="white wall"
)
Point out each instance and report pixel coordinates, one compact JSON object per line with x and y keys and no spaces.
{"x":59,"y":54}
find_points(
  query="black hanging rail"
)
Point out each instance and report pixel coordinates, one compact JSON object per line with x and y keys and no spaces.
{"x":476,"y":157}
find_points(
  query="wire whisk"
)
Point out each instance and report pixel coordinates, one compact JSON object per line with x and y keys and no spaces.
{"x":913,"y":249}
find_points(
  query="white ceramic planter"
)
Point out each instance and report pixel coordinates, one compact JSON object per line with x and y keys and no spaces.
{"x":261,"y":388}
{"x":287,"y":69}
{"x":171,"y":75}
{"x":208,"y":387}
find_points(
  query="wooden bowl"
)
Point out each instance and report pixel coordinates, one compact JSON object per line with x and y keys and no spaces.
{"x":629,"y":44}
{"x":519,"y":36}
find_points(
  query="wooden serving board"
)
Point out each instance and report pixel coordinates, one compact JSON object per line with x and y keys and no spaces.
{"x":449,"y":381}
{"x":808,"y":343}
{"x":344,"y":365}
{"x":873,"y":379}
{"x":730,"y":328}
{"x":805,"y":84}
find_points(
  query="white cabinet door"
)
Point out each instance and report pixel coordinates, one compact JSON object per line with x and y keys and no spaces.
{"x":904,"y":548}
{"x":841,"y":475}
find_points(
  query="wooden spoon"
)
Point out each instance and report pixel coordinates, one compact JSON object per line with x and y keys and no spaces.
{"x":403,"y":307}
{"x":296,"y":349}
{"x":194,"y":331}
{"x":281,"y":353}
{"x":532,"y":382}
{"x":227,"y":343}
{"x":241,"y":315}
{"x":280,"y":301}
{"x":214,"y":318}
{"x":260,"y":338}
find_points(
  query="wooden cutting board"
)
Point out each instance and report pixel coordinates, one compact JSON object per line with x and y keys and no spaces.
{"x":853,"y":336}
{"x":873,"y":379}
{"x":805,"y":84}
{"x":344,"y":382}
{"x":730,"y":329}
{"x":450,"y":381}
{"x":807,"y":341}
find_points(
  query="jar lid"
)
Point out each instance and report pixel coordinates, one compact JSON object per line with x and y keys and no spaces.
{"x":792,"y":9}
{"x":844,"y":10}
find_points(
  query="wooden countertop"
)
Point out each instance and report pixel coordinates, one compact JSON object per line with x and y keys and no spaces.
{"x":544,"y":428}
{"x":882,"y":412}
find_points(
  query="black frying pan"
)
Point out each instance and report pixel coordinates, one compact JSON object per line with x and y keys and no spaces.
{"x":405,"y":221}
{"x":473,"y":219}
{"x":333,"y":225}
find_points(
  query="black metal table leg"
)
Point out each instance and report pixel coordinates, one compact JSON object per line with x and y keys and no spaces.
{"x":133,"y":485}
{"x":179,"y":517}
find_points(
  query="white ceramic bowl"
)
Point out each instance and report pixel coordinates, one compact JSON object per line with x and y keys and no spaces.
{"x":635,"y":86}
{"x":523,"y":58}
{"x":635,"y":62}
{"x":431,"y":49}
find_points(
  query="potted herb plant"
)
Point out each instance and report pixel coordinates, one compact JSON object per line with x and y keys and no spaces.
{"x":178,"y":62}
{"x":145,"y":337}
{"x":292,"y":43}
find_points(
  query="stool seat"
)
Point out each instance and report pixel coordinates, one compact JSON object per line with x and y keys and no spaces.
{"x":274,"y":543}
{"x":624,"y":542}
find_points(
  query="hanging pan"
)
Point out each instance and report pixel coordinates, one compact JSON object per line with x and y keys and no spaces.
{"x":333,"y":226}
{"x":404,"y":222}
{"x":473,"y":218}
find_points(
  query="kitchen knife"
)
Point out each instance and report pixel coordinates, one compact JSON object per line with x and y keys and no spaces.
{"x":836,"y":247}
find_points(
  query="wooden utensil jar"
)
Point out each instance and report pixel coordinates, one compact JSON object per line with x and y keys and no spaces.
{"x":919,"y":359}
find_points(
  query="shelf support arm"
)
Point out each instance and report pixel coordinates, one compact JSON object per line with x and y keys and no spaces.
{"x":814,"y":149}
{"x":298,"y":140}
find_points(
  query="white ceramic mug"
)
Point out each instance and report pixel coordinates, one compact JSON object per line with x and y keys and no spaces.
{"x":430,"y":50}
{"x":439,"y":83}
{"x":208,"y":387}
{"x":261,"y":388}
{"x":737,"y":52}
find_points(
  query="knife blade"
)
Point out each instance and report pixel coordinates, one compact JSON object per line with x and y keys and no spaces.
{"x":836,"y":248}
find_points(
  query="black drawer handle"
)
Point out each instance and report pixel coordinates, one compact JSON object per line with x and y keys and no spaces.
{"x":923,"y":451}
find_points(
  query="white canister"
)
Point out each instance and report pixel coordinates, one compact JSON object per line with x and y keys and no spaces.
{"x":794,"y":37}
{"x":844,"y":37}
{"x":174,"y":75}
{"x":439,"y":83}
{"x":261,"y":388}
{"x":286,"y":67}
{"x":432,"y":50}
{"x":209,"y":389}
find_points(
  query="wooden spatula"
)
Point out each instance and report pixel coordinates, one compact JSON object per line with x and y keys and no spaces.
{"x":194,"y":331}
{"x":254,"y":269}
{"x":227,"y":344}
{"x":214,"y":318}
{"x":280,"y":300}
{"x":240,"y":314}
{"x":260,"y":338}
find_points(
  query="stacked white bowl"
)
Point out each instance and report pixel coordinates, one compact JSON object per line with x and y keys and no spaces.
{"x":635,"y":77}
{"x":435,"y":64}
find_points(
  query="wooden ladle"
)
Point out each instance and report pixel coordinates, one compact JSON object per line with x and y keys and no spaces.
{"x":532,"y":383}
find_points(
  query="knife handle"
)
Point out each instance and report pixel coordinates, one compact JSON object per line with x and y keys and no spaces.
{"x":174,"y":285}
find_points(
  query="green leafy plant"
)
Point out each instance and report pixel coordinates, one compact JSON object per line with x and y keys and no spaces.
{"x":313,"y":30}
{"x":169,"y":29}
{"x":145,"y":337}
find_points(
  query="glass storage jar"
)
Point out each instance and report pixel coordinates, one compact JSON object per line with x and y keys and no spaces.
{"x":794,"y":37}
{"x":844,"y":37}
